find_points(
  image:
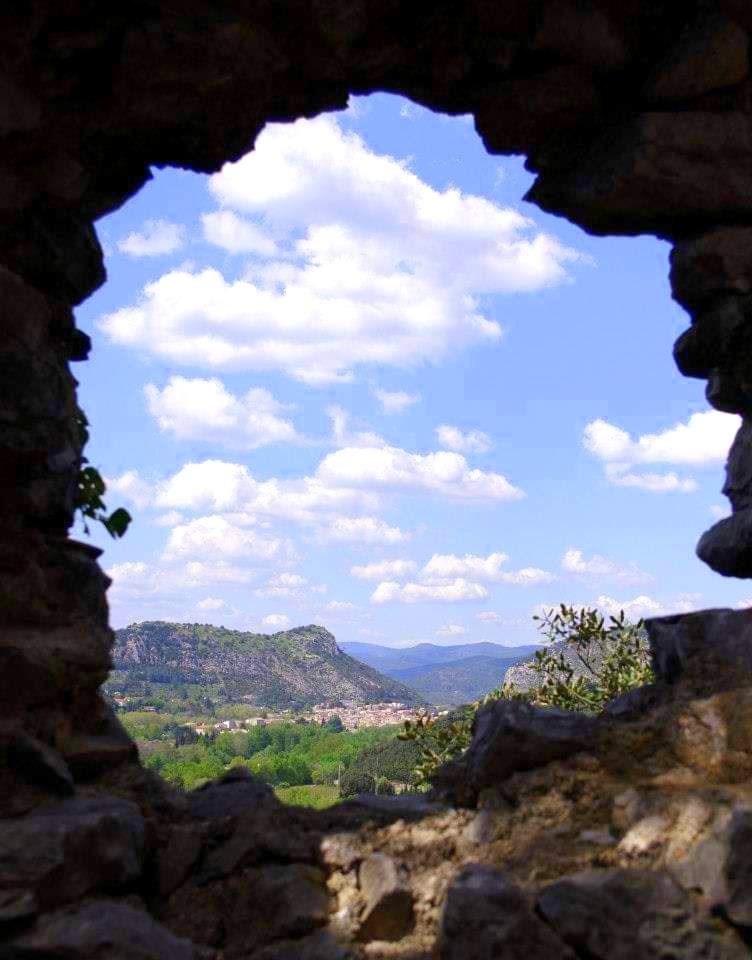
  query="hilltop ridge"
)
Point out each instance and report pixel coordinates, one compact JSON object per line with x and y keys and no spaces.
{"x":296,"y":667}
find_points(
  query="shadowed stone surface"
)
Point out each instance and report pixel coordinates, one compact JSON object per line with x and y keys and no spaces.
{"x":636,"y":117}
{"x":100,"y":930}
{"x":487,"y":916}
{"x":511,"y":736}
{"x":621,"y":914}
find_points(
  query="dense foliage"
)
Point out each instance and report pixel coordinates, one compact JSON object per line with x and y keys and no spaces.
{"x":392,"y":761}
{"x":286,"y":754}
{"x":585,"y":664}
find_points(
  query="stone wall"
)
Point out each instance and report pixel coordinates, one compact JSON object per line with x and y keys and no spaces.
{"x":635,"y":115}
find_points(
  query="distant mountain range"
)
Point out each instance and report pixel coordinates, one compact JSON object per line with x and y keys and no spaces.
{"x":444,"y":675}
{"x":294,"y":667}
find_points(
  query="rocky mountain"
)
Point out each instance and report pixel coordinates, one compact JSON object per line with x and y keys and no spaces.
{"x":391,"y":659}
{"x":458,"y":681}
{"x":300,"y":666}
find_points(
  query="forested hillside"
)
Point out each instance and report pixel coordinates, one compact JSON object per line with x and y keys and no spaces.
{"x":292,"y":668}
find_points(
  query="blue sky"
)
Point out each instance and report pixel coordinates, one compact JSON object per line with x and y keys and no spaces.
{"x":354,"y":380}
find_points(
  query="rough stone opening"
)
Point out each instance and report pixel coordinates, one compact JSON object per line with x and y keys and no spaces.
{"x":626,"y":112}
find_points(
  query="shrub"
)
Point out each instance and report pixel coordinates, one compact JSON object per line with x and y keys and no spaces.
{"x":591,"y":663}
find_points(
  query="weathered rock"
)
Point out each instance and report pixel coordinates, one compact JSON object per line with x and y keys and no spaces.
{"x":712,"y":52}
{"x":272,"y":903}
{"x":488,"y":825}
{"x":511,"y":736}
{"x":727,"y":546}
{"x":720,"y":867}
{"x":718,"y":343}
{"x":72,"y":849}
{"x":623,"y":914}
{"x":713,"y":264}
{"x":388,"y":913}
{"x":176,"y":858}
{"x":710,"y":647}
{"x":584,"y":33}
{"x":99,"y":929}
{"x":319,"y":946}
{"x":30,"y":772}
{"x":106,"y":745}
{"x":656,"y":174}
{"x":230,"y":797}
{"x":486,"y":916}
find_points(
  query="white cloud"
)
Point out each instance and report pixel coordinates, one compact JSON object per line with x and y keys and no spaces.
{"x":236,"y":235}
{"x":279,"y":620}
{"x":719,"y":511}
{"x":214,"y":537}
{"x":383,"y":569}
{"x":488,"y":616}
{"x":222,"y":486}
{"x":362,"y":530}
{"x":136,"y":580}
{"x":528,"y":577}
{"x":743,"y":604}
{"x":652,"y":482}
{"x":374,"y":265}
{"x":445,"y":566}
{"x":598,"y":567}
{"x":339,"y":606}
{"x":211,"y":603}
{"x":203,"y":409}
{"x":704,"y":439}
{"x":156,"y":238}
{"x":290,"y":585}
{"x":450,"y":591}
{"x":451,"y":630}
{"x":635,"y":609}
{"x":385,"y":468}
{"x":170,"y":519}
{"x":474,"y":441}
{"x":131,"y":486}
{"x":448,"y":565}
{"x":343,"y":436}
{"x":395,"y":402}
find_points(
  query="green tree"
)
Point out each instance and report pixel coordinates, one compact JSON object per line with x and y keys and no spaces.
{"x":592,"y":662}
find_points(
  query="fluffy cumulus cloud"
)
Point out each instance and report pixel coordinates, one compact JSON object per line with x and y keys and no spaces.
{"x":292,"y":586}
{"x":156,"y":238}
{"x":213,"y":537}
{"x":211,"y":603}
{"x":139,"y":581}
{"x":222,"y":486}
{"x":203,"y":409}
{"x":704,"y":439}
{"x":445,"y":566}
{"x":279,"y":621}
{"x":489,"y":616}
{"x":390,"y":468}
{"x":236,"y":235}
{"x":362,"y":530}
{"x":451,"y":630}
{"x":354,"y":260}
{"x":131,"y":486}
{"x":598,"y":567}
{"x":472,"y":441}
{"x":450,"y":591}
{"x":384,"y":569}
{"x":395,"y":402}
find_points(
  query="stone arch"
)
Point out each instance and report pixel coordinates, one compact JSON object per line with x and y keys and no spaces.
{"x":635,"y":116}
